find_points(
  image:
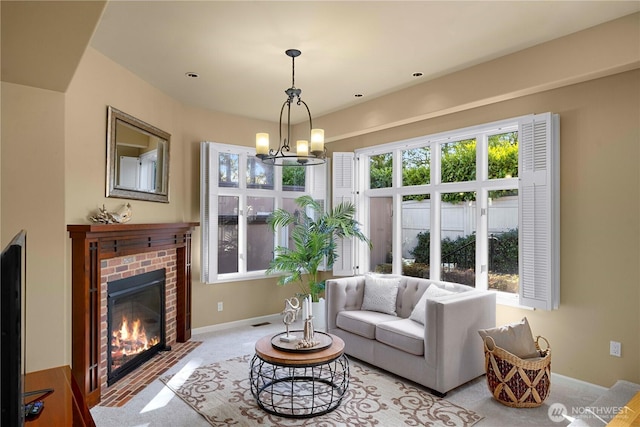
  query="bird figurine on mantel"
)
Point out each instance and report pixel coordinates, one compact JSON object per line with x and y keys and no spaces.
{"x":120,"y":216}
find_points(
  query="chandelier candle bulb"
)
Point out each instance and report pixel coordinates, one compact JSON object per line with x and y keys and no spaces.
{"x":302,"y":147}
{"x":317,"y":140}
{"x":262,"y":143}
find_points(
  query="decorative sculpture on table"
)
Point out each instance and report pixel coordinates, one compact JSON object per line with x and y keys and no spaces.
{"x":308,"y":341}
{"x":290,"y":312}
{"x":308,"y":322}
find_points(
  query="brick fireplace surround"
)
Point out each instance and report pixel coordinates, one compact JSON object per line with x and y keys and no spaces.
{"x":127,"y":266}
{"x":103,"y":253}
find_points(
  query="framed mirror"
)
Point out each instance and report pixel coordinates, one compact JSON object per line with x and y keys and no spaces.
{"x":137,"y":159}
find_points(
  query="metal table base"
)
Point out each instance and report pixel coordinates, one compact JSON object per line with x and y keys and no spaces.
{"x":300,"y":391}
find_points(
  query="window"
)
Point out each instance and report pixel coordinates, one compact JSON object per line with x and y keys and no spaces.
{"x":458,"y":231}
{"x":381,"y":230}
{"x":238,"y":193}
{"x":293,"y":177}
{"x":458,"y":161}
{"x":259,"y":175}
{"x":416,"y":234}
{"x":380,"y":167}
{"x":416,"y":166}
{"x":228,"y":234}
{"x":502,"y":241}
{"x":477,"y":206}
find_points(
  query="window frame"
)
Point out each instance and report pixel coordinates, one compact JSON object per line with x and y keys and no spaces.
{"x":482,"y":185}
{"x":209,"y":193}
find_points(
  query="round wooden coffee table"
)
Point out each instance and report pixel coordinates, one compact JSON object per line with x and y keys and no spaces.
{"x":299,"y":384}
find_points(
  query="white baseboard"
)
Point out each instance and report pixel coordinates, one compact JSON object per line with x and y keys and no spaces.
{"x":272,"y":318}
{"x":596,"y":389}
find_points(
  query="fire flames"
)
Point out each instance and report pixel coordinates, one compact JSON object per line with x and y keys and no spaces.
{"x":129,"y":341}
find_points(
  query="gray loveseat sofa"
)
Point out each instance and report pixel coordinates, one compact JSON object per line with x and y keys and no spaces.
{"x":442,"y":354}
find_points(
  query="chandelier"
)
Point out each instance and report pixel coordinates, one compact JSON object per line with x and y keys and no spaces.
{"x":306,"y":154}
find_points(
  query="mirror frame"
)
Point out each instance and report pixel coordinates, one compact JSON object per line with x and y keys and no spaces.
{"x":113,"y":116}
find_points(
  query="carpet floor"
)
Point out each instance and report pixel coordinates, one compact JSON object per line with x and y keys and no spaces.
{"x":158,"y":406}
{"x":221,"y":393}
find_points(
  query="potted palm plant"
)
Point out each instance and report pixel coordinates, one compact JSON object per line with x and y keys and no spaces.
{"x":313,"y":234}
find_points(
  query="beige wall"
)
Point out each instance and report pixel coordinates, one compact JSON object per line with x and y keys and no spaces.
{"x":57,"y":142}
{"x":242,"y":299}
{"x":600,"y":220}
{"x":100,"y":82}
{"x":33,"y":197}
{"x":606,"y":49}
{"x":53,"y":174}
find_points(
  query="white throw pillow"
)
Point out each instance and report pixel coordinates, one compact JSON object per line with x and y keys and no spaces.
{"x":516,"y":338}
{"x":380,"y":294}
{"x":419,"y":312}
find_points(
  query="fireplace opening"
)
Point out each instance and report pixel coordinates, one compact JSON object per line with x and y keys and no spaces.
{"x":135,"y":322}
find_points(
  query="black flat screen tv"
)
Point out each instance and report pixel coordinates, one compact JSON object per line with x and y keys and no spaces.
{"x":12,"y":324}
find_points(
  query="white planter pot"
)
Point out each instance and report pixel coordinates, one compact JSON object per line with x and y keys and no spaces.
{"x":319,"y":315}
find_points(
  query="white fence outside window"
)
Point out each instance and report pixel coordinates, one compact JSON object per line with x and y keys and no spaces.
{"x":458,"y":219}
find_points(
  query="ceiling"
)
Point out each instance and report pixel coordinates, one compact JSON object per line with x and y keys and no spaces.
{"x":237,"y":47}
{"x":43,"y":41}
{"x":348,"y":48}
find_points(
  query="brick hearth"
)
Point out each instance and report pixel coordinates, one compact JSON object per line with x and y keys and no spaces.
{"x":122,"y":391}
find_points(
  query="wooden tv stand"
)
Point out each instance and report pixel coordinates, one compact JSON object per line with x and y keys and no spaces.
{"x":65,"y":406}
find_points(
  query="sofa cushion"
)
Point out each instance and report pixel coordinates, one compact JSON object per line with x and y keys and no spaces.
{"x":419,"y":311}
{"x":361,"y":322}
{"x":380,"y":294}
{"x":516,"y":338}
{"x":403,"y":334}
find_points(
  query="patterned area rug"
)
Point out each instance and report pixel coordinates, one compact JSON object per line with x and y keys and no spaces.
{"x":221,"y":393}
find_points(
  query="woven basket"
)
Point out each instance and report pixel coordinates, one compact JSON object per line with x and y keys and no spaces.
{"x":516,"y":382}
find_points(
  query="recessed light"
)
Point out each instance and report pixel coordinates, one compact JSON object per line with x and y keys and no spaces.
{"x":358,"y":95}
{"x":192,"y":75}
{"x":417,"y":74}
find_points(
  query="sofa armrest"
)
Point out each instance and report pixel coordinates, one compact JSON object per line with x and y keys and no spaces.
{"x":345,"y":293}
{"x":452,"y":343}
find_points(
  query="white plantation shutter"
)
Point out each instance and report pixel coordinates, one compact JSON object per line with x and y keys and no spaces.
{"x":539,"y":234}
{"x":208,"y":210}
{"x":343,"y":191}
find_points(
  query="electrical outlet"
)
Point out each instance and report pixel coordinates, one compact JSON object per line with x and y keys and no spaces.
{"x":220,"y":306}
{"x":615,"y":348}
